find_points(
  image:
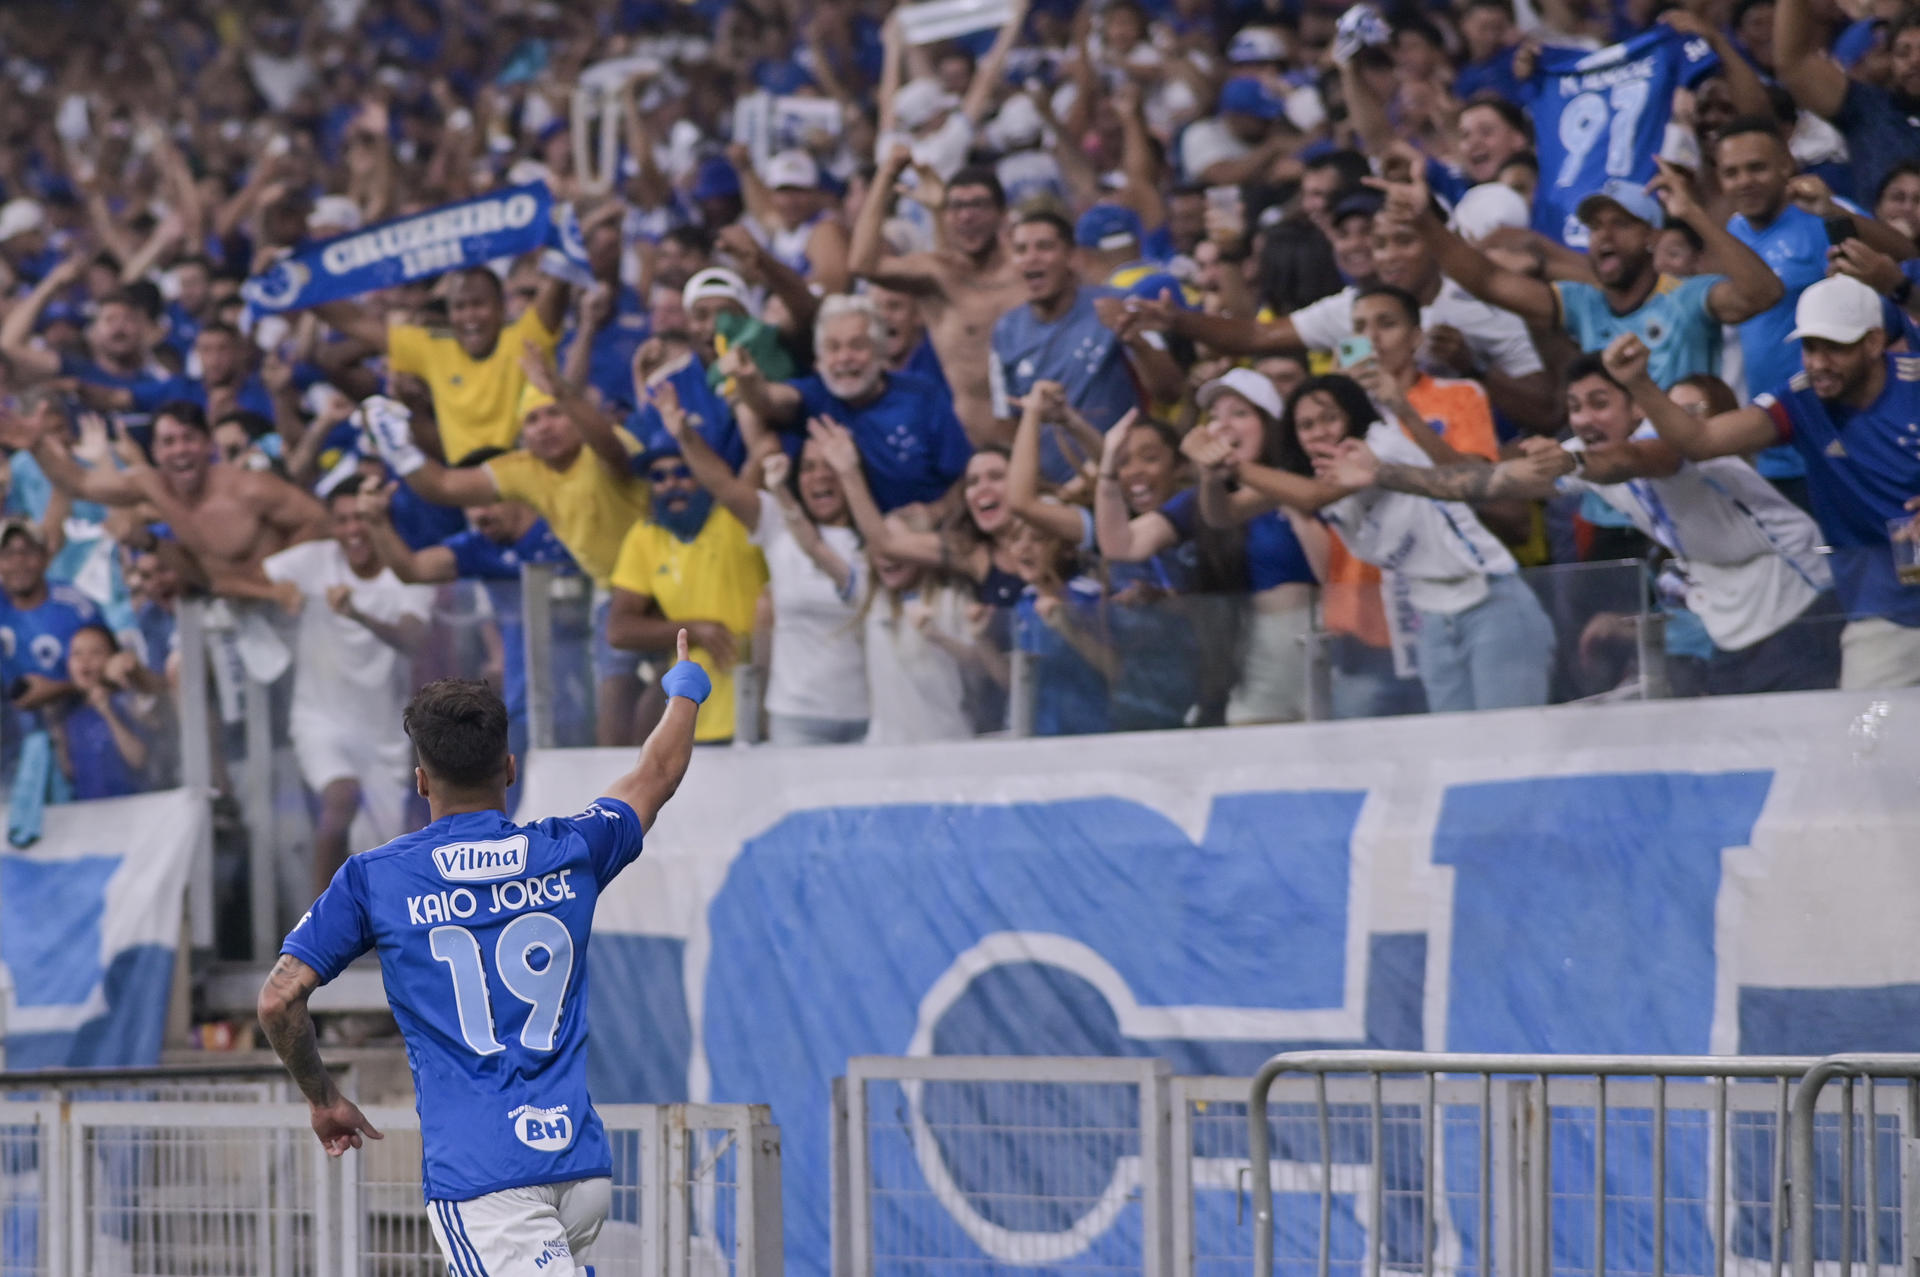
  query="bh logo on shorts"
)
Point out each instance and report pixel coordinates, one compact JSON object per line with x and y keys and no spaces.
{"x":544,"y":1130}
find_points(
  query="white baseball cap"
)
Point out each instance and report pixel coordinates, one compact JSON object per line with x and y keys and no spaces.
{"x":1487,"y":208}
{"x":918,"y":101}
{"x":791,"y":170}
{"x":19,"y":216}
{"x":1839,"y":309}
{"x":333,"y":212}
{"x":715,"y":281}
{"x":1258,"y":44}
{"x":1249,"y":385}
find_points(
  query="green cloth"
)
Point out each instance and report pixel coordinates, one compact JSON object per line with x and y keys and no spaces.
{"x":761,"y":342}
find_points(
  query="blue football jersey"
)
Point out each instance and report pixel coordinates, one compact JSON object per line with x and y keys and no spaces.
{"x":481,"y":926}
{"x":1862,"y":466}
{"x":34,"y":640}
{"x":1601,"y":117}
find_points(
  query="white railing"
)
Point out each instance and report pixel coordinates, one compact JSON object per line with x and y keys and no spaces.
{"x":231,"y":1190}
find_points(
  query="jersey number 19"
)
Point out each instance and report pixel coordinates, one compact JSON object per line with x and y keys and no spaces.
{"x":543,"y":988}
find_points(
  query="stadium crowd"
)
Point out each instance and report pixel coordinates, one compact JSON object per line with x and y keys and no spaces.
{"x":1168,"y":350}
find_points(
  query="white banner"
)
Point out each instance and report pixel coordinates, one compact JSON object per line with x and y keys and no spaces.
{"x":89,"y":923}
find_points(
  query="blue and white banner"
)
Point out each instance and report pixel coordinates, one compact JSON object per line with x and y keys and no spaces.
{"x":473,"y":232}
{"x":89,"y":924}
{"x":1729,"y":876}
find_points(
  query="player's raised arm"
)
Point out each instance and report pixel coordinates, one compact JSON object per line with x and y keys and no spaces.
{"x":664,"y":758}
{"x":337,"y":1120}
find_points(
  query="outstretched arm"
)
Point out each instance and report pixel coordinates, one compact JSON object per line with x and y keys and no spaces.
{"x":1532,"y":299}
{"x":669,"y":748}
{"x":289,"y":1027}
{"x":1733,"y":433}
{"x":1800,"y":60}
{"x":1750,"y":286}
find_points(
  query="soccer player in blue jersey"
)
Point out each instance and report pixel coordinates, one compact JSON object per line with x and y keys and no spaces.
{"x":1853,"y":416}
{"x":482,"y":926}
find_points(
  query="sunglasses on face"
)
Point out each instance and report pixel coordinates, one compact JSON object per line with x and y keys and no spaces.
{"x":667,"y":474}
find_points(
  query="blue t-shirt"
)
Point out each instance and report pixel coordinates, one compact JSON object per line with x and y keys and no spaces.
{"x":1076,"y":350}
{"x":1681,"y":336}
{"x":925,"y":362}
{"x":34,"y":640}
{"x":84,"y":369}
{"x":149,"y":395}
{"x":706,"y":412}
{"x":497,"y":568}
{"x":1882,"y":131}
{"x":482,"y":926}
{"x":1794,"y":246}
{"x":610,"y":361}
{"x":1069,"y":695}
{"x":912,"y":447}
{"x":1862,"y":467}
{"x":1601,"y":117}
{"x":99,"y":771}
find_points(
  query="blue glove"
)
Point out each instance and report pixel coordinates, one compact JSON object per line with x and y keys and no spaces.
{"x":687,"y":679}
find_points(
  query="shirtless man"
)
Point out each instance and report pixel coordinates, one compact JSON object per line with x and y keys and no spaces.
{"x":963,"y":288}
{"x":226,"y":519}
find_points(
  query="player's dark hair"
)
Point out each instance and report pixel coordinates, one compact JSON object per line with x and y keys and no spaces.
{"x":1515,"y":118}
{"x":1588,"y":365}
{"x":186,"y":412}
{"x":1746,"y":124}
{"x":1400,"y":296}
{"x":695,"y":239}
{"x":1525,"y":159}
{"x":221,"y":329}
{"x":985,"y":178}
{"x":486,"y":276}
{"x":1347,"y":396}
{"x":1044,"y":217}
{"x":256,"y":426}
{"x":1905,"y":168}
{"x":459,"y":732}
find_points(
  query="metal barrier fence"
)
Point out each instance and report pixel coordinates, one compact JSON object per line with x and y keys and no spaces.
{"x":1541,"y":1165}
{"x":224,"y":1190}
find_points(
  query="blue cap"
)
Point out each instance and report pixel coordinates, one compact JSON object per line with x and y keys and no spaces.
{"x":1857,"y":41}
{"x":62,"y":312}
{"x":1361,"y":202}
{"x":715,"y":179}
{"x":1244,"y":95}
{"x":1153,"y":285}
{"x":1109,"y":227}
{"x":1630,"y":198}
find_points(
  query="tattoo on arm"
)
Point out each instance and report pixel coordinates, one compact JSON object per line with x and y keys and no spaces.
{"x":1467,"y":481}
{"x":283,"y":1014}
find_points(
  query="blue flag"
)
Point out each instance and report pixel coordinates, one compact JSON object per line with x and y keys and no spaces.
{"x":503,"y":223}
{"x":1601,"y":117}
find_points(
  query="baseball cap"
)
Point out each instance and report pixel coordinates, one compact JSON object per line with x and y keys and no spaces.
{"x":791,"y":170}
{"x":1016,"y":126}
{"x":1361,"y":203}
{"x":17,"y":217}
{"x":1838,"y":309}
{"x":1244,"y":95}
{"x":1158,"y":283}
{"x":1109,"y":227}
{"x":61,"y":312}
{"x":715,"y":179}
{"x":532,"y":397}
{"x":715,"y":281}
{"x":1249,"y":385}
{"x":1487,"y":208}
{"x":919,"y":101}
{"x":333,"y":212}
{"x":10,"y":528}
{"x":1630,"y":198}
{"x":1258,"y":44}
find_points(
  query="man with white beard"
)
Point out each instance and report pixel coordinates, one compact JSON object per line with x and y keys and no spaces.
{"x":912,"y":446}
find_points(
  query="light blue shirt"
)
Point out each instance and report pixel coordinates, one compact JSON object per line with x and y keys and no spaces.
{"x":1076,"y":350}
{"x":1682,"y":338}
{"x":1794,"y":247}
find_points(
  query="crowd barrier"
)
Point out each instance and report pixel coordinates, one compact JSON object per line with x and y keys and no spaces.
{"x":221,"y":1187}
{"x":1364,"y":1163}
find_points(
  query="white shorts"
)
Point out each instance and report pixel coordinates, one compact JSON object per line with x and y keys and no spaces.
{"x":326,"y":754}
{"x":522,"y":1232}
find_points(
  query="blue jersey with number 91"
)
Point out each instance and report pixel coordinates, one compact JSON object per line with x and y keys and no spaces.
{"x":1601,"y":117}
{"x":481,"y":926}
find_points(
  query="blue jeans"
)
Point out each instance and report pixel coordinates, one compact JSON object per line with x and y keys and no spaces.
{"x":1497,"y":654}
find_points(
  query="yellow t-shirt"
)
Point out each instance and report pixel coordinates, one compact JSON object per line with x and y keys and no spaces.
{"x":476,"y":401}
{"x":717,"y":576}
{"x":588,"y":506}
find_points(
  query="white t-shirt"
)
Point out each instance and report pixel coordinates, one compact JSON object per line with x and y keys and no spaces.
{"x":1750,"y":556}
{"x":345,"y":679}
{"x":1498,"y":338}
{"x":819,"y":669}
{"x":918,"y":689}
{"x":1439,"y":548}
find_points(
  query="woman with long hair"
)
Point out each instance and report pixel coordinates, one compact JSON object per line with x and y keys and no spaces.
{"x":1484,"y":640}
{"x":1283,"y":552}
